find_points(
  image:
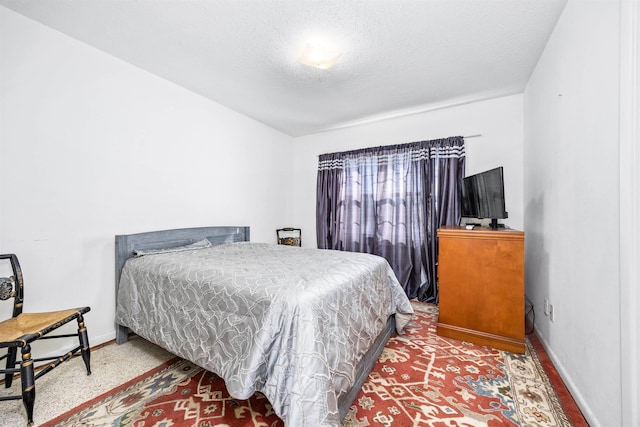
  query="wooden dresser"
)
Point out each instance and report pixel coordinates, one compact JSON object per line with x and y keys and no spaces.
{"x":481,"y":285}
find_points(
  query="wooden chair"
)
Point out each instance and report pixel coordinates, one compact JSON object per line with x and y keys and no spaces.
{"x":289,"y":236}
{"x":20,"y":330}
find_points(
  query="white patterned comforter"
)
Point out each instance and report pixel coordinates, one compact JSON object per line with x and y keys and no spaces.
{"x":289,"y":322}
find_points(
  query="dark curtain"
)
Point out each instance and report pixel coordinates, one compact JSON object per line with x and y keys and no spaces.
{"x":390,"y":201}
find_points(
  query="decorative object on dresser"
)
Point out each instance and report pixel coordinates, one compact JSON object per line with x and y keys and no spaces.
{"x":289,"y":236}
{"x":481,"y":279}
{"x":22,"y":329}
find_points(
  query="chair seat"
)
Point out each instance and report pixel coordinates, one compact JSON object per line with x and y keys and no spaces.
{"x":21,"y":329}
{"x":36,"y":323}
{"x":290,"y":241}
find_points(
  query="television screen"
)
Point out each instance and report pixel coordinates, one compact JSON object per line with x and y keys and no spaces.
{"x":483,"y":196}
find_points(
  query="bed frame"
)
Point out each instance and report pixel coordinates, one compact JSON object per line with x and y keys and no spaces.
{"x":127,"y":243}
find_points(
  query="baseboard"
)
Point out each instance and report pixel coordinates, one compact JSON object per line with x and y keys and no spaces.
{"x":571,"y":386}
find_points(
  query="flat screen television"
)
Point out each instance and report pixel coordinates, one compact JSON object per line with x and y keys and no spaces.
{"x":483,"y":196}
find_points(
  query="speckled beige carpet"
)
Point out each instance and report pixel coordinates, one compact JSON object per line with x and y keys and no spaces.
{"x":68,"y":385}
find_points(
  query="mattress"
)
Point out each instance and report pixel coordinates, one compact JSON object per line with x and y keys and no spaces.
{"x":289,"y":322}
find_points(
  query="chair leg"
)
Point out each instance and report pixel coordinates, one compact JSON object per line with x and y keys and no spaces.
{"x":28,"y":382}
{"x":84,"y":343}
{"x":11,"y":364}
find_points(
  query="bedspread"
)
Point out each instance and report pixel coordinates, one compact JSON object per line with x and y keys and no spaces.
{"x":289,"y":322}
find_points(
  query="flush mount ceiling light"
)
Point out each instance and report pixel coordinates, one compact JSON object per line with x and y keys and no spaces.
{"x":319,"y":56}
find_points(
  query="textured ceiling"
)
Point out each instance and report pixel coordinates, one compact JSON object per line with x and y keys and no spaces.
{"x":399,"y":56}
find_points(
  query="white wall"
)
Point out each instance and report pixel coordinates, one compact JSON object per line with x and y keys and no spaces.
{"x":92,"y":147}
{"x":572,"y":205}
{"x":499,"y":121}
{"x":630,"y":210}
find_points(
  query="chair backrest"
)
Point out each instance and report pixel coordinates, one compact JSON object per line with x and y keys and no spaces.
{"x":289,"y":236}
{"x":13,"y":286}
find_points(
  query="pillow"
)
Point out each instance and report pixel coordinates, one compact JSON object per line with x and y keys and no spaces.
{"x":204,"y":243}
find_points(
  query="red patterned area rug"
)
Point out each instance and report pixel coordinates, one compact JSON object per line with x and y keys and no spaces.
{"x":421,"y":379}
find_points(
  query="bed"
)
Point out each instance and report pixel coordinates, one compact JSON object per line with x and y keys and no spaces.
{"x":302,"y":326}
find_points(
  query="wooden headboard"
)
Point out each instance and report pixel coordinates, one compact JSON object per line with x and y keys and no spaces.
{"x":127,"y":243}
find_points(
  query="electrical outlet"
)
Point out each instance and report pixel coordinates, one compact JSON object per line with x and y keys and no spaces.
{"x":551,"y":312}
{"x":546,"y":306}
